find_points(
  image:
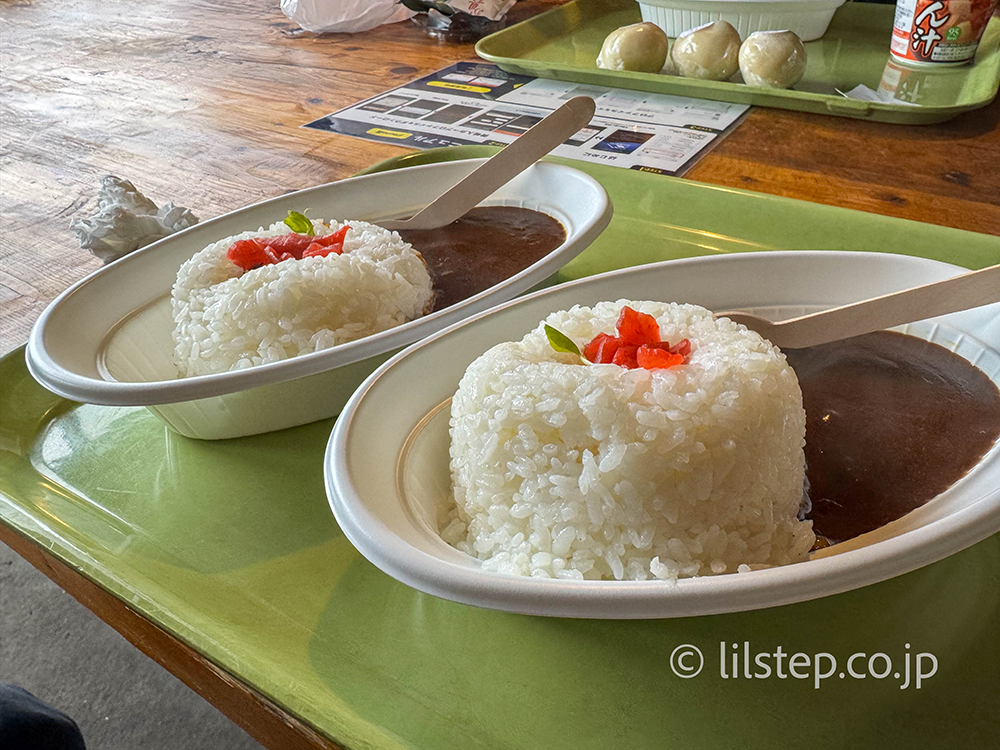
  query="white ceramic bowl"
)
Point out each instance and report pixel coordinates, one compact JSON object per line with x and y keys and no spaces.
{"x":807,"y":18}
{"x":387,"y":461}
{"x":107,"y":339}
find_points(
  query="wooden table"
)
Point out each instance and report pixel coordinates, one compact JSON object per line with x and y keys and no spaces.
{"x":200,"y":103}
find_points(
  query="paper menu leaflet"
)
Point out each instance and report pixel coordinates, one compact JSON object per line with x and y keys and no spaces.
{"x":478,"y":103}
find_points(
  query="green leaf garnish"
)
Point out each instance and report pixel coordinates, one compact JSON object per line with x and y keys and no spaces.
{"x":299,"y":223}
{"x":561,"y":342}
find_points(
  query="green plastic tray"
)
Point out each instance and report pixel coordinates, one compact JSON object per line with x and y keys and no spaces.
{"x":230,"y":545}
{"x":563,"y":44}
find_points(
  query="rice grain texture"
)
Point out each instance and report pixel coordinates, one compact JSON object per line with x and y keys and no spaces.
{"x":591,"y":471}
{"x":227,"y":318}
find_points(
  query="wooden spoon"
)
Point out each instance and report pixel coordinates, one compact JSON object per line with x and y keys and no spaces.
{"x":502,"y":167}
{"x":939,"y":298}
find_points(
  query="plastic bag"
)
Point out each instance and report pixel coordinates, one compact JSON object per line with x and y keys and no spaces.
{"x":343,"y":15}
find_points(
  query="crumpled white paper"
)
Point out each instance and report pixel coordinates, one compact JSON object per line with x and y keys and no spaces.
{"x":127,"y":220}
{"x":329,"y":16}
{"x":865,"y":94}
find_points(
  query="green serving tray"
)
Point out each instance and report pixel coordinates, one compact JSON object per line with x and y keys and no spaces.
{"x":563,"y":43}
{"x":230,"y":546}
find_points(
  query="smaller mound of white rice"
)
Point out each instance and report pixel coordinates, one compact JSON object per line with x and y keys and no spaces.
{"x":227,"y":318}
{"x":570,"y":470}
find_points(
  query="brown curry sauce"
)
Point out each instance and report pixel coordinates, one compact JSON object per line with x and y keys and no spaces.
{"x":486,"y":246}
{"x":891,"y":422}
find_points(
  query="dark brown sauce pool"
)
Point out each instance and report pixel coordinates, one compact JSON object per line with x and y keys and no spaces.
{"x":486,"y":246}
{"x":891,"y":422}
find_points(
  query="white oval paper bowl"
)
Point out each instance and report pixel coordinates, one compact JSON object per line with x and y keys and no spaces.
{"x":387,"y":459}
{"x":107,"y":339}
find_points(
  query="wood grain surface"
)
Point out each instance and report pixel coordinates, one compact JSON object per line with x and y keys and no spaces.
{"x":200,"y":102}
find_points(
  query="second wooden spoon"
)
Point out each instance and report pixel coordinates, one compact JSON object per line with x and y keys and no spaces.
{"x":502,"y":167}
{"x":939,"y":298}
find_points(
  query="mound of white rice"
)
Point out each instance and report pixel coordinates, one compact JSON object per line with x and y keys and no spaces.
{"x":227,"y":318}
{"x":570,"y":470}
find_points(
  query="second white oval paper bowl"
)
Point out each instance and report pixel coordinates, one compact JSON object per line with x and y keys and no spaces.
{"x":108,"y":338}
{"x":387,"y":472}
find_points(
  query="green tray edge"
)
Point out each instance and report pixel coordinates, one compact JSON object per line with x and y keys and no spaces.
{"x":42,"y":406}
{"x":494,"y":48}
